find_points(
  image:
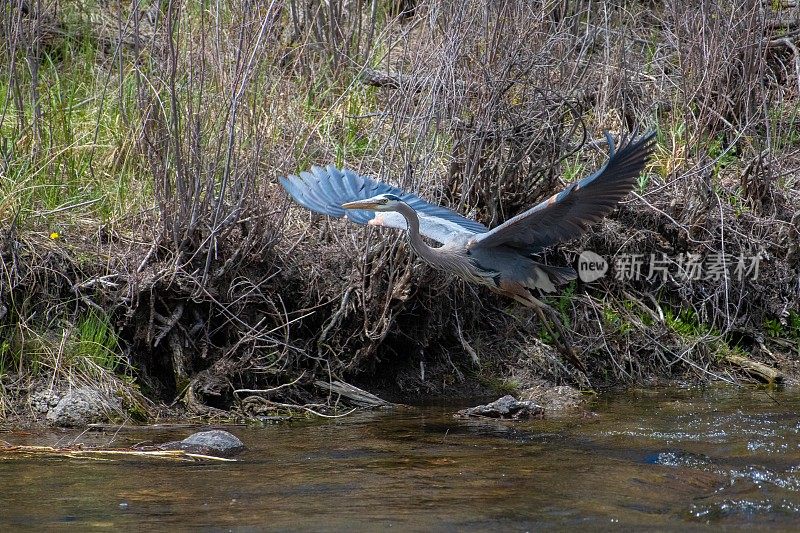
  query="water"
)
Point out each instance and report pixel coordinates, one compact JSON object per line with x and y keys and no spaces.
{"x":673,"y":459}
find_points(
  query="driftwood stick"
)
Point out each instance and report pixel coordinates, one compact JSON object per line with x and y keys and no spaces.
{"x":357,"y":396}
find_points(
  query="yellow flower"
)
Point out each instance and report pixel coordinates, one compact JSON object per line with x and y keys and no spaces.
{"x":54,"y":235}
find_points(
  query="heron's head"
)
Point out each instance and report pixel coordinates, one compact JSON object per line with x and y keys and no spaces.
{"x":381,"y":202}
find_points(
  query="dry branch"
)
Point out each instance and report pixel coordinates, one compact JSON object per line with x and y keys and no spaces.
{"x":9,"y":450}
{"x":355,"y":395}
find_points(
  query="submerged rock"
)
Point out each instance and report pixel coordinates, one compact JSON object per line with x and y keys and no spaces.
{"x":212,"y":442}
{"x":81,"y":407}
{"x":507,"y":407}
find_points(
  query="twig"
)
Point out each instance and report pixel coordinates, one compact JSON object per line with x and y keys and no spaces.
{"x":68,"y":207}
{"x":169,"y":324}
{"x":273,"y":389}
{"x":312,"y":411}
{"x":464,"y":344}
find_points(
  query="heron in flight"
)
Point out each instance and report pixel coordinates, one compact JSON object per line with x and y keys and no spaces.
{"x":503,"y":258}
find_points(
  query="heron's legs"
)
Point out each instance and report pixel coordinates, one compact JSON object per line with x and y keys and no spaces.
{"x":562,"y":339}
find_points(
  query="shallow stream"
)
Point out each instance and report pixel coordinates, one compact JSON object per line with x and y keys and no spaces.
{"x":674,"y":459}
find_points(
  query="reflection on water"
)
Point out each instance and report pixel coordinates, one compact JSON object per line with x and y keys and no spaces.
{"x":670,"y":459}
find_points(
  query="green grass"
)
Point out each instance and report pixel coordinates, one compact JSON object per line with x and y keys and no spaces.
{"x":650,"y":53}
{"x":789,"y":330}
{"x":78,"y":152}
{"x":642,"y":182}
{"x":8,"y":358}
{"x":11,"y":352}
{"x":92,"y":340}
{"x":784,"y":120}
{"x":68,"y":160}
{"x":338,"y":117}
{"x":497,"y":385}
{"x":573,"y":170}
{"x":562,"y":304}
{"x":96,"y":340}
{"x":670,"y":152}
{"x":616,"y":321}
{"x":686,"y":323}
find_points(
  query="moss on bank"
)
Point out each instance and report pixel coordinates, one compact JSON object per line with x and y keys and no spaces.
{"x":146,"y":248}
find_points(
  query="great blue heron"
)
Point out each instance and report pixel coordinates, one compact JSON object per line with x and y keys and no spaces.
{"x":501,"y":258}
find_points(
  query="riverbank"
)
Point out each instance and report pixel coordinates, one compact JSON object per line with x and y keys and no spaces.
{"x":148,"y":254}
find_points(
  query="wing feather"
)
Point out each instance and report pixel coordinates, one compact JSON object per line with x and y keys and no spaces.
{"x":567,"y":214}
{"x":324,"y":190}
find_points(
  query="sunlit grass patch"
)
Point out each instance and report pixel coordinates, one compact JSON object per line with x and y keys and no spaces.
{"x":68,"y":149}
{"x":671,"y":151}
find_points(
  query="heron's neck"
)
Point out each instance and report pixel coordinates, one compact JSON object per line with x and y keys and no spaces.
{"x":423,"y":250}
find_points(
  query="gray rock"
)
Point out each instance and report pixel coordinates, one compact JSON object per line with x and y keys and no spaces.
{"x":83,"y":406}
{"x":212,"y":442}
{"x":42,"y":401}
{"x":507,"y":407}
{"x":556,"y":400}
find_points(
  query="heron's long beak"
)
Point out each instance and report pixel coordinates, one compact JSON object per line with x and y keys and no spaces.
{"x":360,"y":204}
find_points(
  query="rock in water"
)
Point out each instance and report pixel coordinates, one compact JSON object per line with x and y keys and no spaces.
{"x":507,"y":407}
{"x":212,"y":442}
{"x":81,"y":407}
{"x":559,"y":400}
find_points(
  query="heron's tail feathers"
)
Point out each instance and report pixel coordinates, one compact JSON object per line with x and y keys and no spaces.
{"x":537,"y":276}
{"x":547,"y":278}
{"x":559,"y":275}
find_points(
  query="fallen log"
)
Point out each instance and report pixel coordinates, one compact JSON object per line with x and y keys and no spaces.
{"x":754,"y":368}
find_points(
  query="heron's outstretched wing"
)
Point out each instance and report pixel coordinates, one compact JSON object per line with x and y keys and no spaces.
{"x":324,"y":190}
{"x":567,"y":214}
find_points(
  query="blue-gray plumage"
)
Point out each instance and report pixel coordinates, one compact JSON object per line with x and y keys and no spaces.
{"x":501,"y":258}
{"x":325,"y":190}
